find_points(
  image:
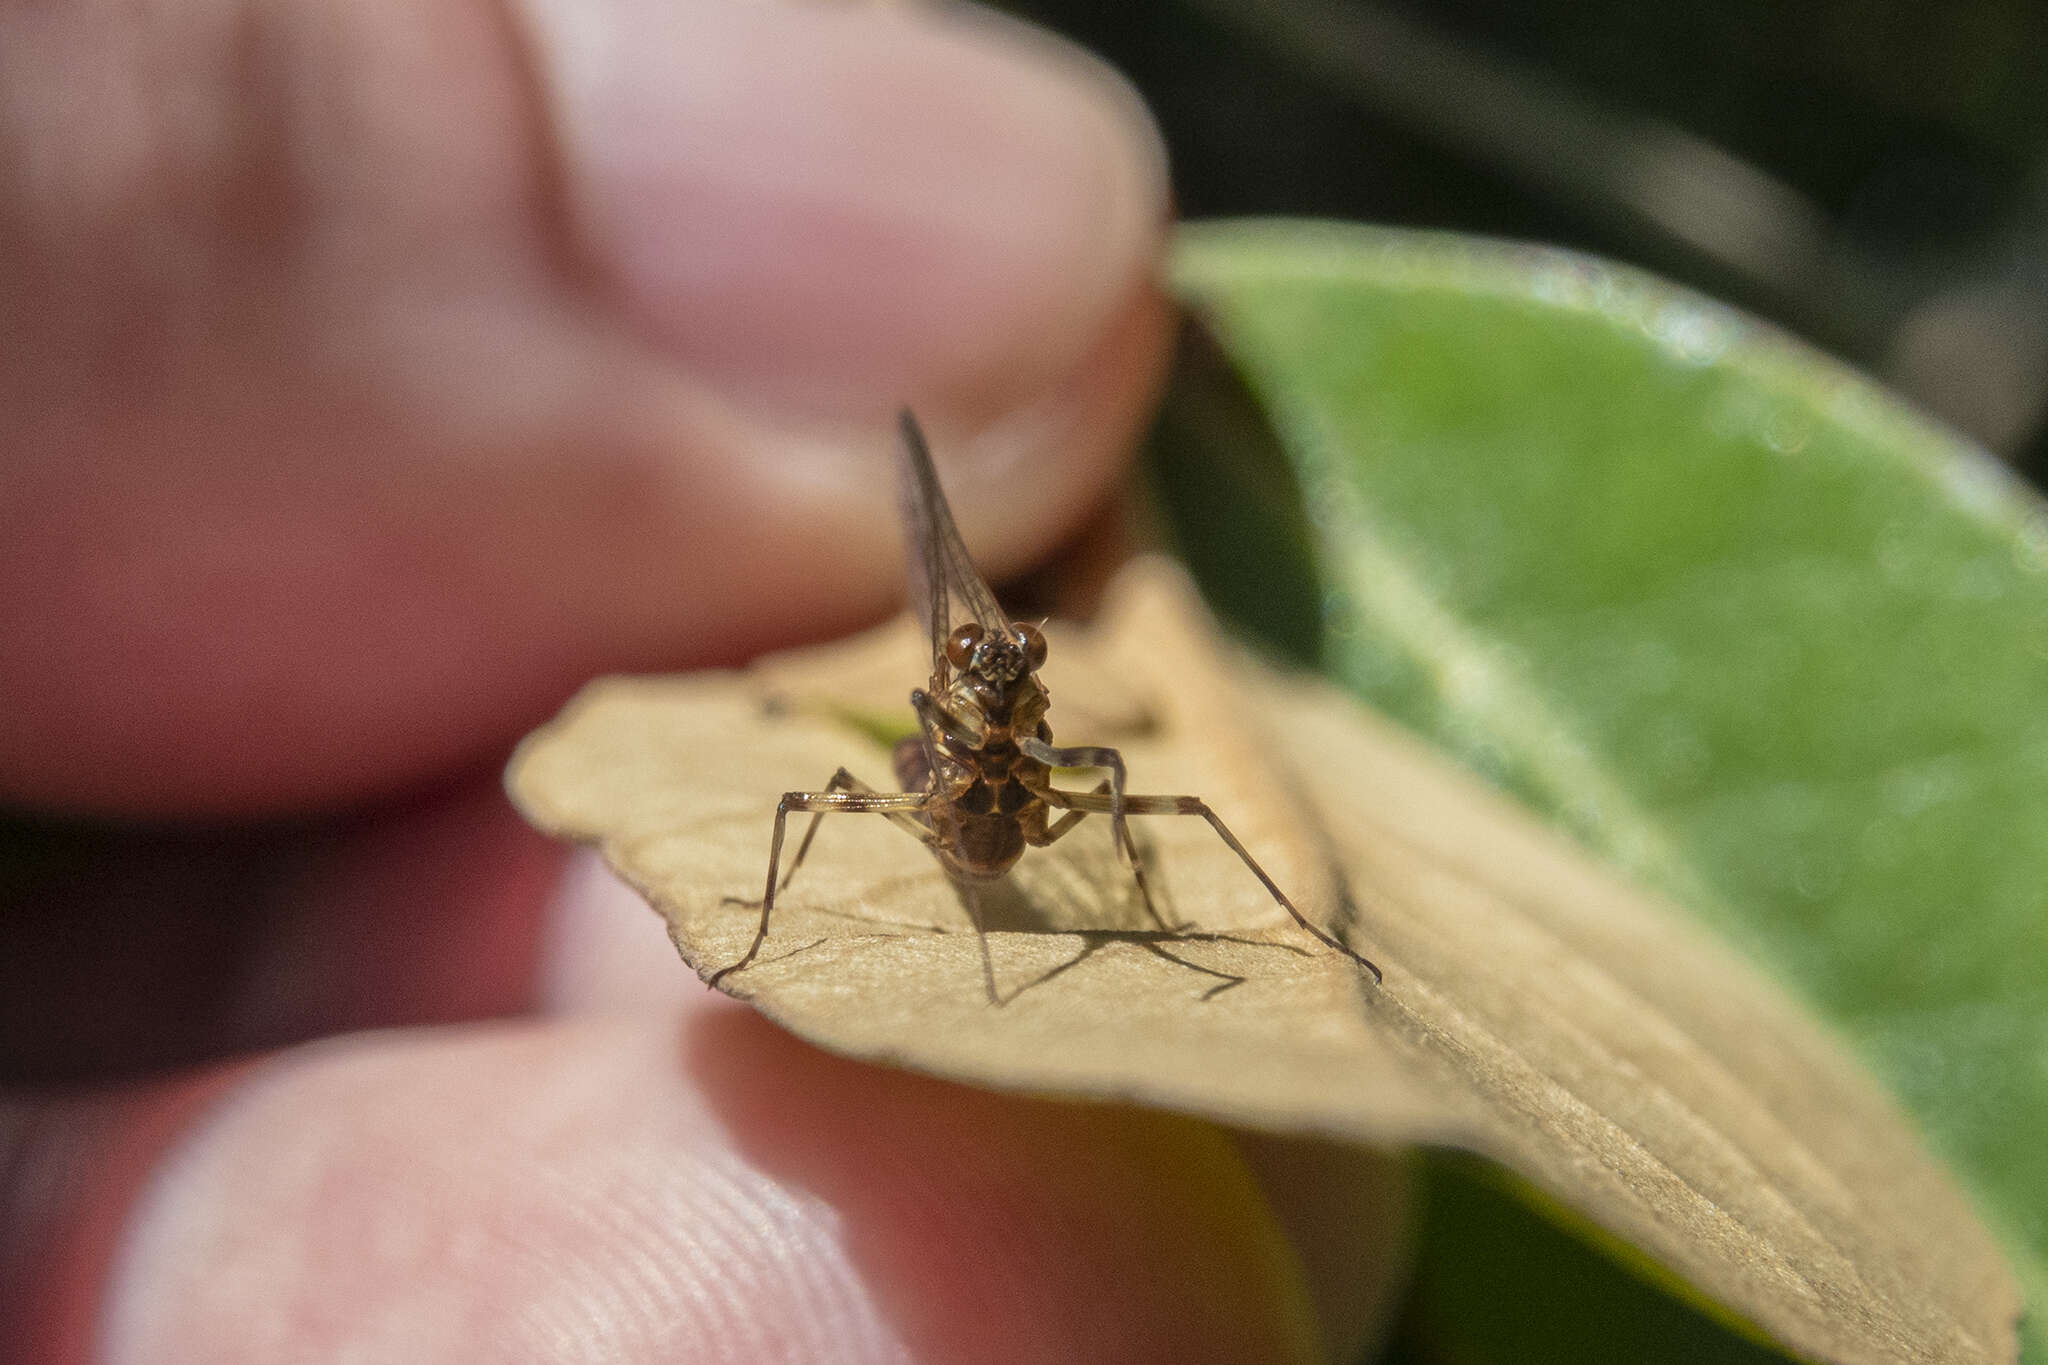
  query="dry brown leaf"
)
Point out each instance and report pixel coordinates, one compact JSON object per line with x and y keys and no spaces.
{"x":1535,"y":1010}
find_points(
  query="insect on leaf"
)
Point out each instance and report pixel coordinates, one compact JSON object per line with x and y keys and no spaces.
{"x":1535,"y":1010}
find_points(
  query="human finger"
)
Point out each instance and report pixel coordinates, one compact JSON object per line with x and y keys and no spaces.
{"x":607,"y":1191}
{"x":428,"y":363}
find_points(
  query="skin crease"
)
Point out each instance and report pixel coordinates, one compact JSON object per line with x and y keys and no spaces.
{"x":378,"y":372}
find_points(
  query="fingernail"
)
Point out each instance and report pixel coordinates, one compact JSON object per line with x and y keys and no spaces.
{"x":845,"y":208}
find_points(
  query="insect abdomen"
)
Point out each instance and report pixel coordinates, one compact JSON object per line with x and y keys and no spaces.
{"x":984,"y":847}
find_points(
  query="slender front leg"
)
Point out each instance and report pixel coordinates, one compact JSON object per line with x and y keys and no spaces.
{"x":1093,"y":756}
{"x":878,"y":803}
{"x":933,"y":714}
{"x":1194,"y":805}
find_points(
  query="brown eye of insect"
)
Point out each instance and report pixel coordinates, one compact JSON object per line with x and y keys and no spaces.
{"x":1034,"y":645}
{"x":960,"y":645}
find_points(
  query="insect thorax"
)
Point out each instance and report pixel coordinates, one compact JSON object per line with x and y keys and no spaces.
{"x":1008,"y":709}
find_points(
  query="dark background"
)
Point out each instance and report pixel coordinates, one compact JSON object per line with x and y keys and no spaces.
{"x":1871,"y":174}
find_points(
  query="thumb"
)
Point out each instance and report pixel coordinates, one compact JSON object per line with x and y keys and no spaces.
{"x":425,"y":364}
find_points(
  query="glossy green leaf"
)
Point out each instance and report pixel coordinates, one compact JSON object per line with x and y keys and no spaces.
{"x":1738,"y":620}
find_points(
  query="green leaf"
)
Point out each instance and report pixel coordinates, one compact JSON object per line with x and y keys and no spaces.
{"x":1572,"y":1302}
{"x":1735,"y":618}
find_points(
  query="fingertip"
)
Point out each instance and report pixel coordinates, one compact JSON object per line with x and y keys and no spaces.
{"x":74,"y":1165}
{"x":1001,"y":1227}
{"x":831,"y":208}
{"x":590,"y":1191}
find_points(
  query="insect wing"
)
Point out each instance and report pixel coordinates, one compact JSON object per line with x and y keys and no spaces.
{"x":944,"y":586}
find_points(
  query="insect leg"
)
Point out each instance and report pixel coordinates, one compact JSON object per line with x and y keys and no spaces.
{"x":843,"y":780}
{"x":1066,"y":822}
{"x":1126,"y":850}
{"x":1093,"y":756}
{"x":879,"y":803}
{"x":1194,"y":805}
{"x":934,"y":714}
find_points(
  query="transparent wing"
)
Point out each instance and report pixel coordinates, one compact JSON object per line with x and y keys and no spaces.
{"x":944,"y":587}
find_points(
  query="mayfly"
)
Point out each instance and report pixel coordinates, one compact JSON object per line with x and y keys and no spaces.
{"x":977,"y":777}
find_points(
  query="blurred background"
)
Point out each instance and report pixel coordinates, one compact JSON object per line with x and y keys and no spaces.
{"x":1870,"y":174}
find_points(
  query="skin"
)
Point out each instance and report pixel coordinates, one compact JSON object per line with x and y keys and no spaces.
{"x":377,"y":372}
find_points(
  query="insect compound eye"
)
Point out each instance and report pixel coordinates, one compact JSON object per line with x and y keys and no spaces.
{"x":960,"y":644}
{"x":1033,"y":643}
